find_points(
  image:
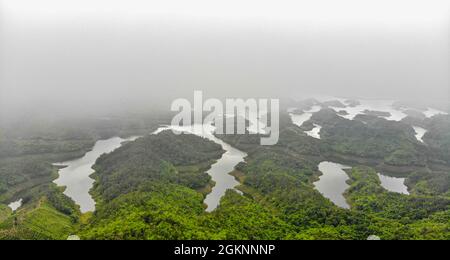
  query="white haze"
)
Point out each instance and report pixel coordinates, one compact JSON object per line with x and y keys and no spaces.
{"x":79,"y":56}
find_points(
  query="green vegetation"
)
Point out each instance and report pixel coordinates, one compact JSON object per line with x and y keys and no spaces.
{"x":166,"y":157}
{"x":161,"y":212}
{"x":53,"y":216}
{"x":28,"y":148}
{"x":398,"y":216}
{"x":279,"y":203}
{"x":438,"y":138}
{"x":154,"y":187}
{"x":5,"y":212}
{"x":370,"y":138}
{"x":168,"y":211}
{"x":163,"y":202}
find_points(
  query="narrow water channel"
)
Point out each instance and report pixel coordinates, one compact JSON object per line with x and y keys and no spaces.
{"x":220,"y":171}
{"x":74,"y":175}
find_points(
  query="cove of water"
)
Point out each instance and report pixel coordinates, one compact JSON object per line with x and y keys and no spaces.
{"x":420,"y":132}
{"x":430,"y":112}
{"x":393,"y":184}
{"x":315,"y":132}
{"x":75,"y":174}
{"x":300,"y":119}
{"x":333,"y":183}
{"x":15,"y":205}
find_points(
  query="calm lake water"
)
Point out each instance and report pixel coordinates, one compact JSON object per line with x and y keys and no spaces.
{"x":373,"y":105}
{"x":430,"y":112}
{"x":315,"y":132}
{"x":396,"y":114}
{"x":220,"y":171}
{"x":75,"y":175}
{"x":15,"y":205}
{"x":300,"y":119}
{"x":333,"y":182}
{"x":393,"y":184}
{"x":420,"y":132}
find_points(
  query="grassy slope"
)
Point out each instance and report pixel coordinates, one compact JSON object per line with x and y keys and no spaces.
{"x":398,"y":216}
{"x":37,"y":221}
{"x":5,"y":212}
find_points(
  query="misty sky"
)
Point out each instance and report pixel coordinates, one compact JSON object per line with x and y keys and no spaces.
{"x":86,"y":55}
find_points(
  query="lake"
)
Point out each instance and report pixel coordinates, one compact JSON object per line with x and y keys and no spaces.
{"x":420,"y":132}
{"x":15,"y":205}
{"x":299,"y":119}
{"x":315,"y":132}
{"x":75,"y":174}
{"x":393,"y":184}
{"x":333,"y":182}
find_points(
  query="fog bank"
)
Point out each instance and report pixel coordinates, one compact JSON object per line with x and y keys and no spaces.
{"x":104,"y":56}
